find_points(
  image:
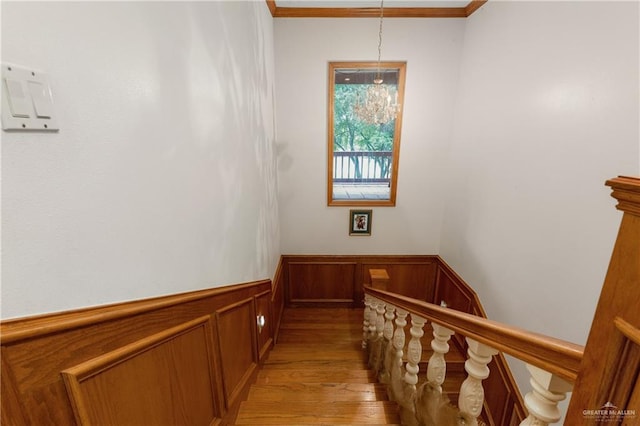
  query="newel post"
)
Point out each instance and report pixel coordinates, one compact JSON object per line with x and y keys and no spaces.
{"x":608,"y":343}
{"x":379,"y":279}
{"x":542,"y":401}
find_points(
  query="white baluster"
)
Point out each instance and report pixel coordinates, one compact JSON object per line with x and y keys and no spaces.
{"x":375,"y":354}
{"x":437,"y":367}
{"x":542,"y":401}
{"x":396,"y":388}
{"x":380,"y":320}
{"x":398,"y":334}
{"x":387,"y":349}
{"x":373,"y":318}
{"x":414,"y":352}
{"x":366,"y":321}
{"x":471,"y":397}
{"x":388,"y":324}
{"x":371,"y":337}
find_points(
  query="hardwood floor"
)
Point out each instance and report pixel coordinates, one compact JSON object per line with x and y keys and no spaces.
{"x":316,"y":374}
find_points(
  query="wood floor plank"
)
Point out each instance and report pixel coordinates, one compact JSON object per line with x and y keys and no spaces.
{"x":318,"y":336}
{"x":271,"y":376}
{"x":308,"y":413}
{"x":302,"y":354}
{"x":314,"y":314}
{"x":337,"y":343}
{"x":318,"y":392}
{"x":321,"y":328}
{"x":315,"y":364}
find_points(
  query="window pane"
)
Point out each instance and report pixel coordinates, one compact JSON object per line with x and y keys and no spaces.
{"x":364,"y":127}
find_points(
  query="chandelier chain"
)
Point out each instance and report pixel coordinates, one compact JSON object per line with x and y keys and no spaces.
{"x":380,"y":36}
{"x":377,"y":107}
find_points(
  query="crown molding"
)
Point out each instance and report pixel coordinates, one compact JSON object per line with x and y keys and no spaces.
{"x":372,"y":12}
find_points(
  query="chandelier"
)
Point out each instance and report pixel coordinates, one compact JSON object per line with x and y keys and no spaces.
{"x":377,"y":107}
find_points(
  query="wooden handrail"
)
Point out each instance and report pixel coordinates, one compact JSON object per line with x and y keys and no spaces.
{"x":553,"y":355}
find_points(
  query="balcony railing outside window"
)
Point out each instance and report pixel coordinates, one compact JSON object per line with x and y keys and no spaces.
{"x":362,"y":166}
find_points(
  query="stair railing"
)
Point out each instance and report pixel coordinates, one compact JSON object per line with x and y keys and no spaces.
{"x":552,"y":363}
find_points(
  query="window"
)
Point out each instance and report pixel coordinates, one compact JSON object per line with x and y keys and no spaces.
{"x":363,"y":153}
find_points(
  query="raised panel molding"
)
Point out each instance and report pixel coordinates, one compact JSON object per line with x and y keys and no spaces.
{"x":35,"y":350}
{"x":324,"y":280}
{"x":278,"y":298}
{"x":454,"y":292}
{"x":166,"y":378}
{"x":265,"y":335}
{"x":412,"y":279}
{"x":236,"y":331}
{"x":321,"y":282}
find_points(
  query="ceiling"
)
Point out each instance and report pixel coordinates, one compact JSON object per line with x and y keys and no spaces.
{"x":371,"y":8}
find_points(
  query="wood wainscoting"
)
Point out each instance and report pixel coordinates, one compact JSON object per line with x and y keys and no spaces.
{"x":181,"y":359}
{"x":326,"y":280}
{"x":189,"y":358}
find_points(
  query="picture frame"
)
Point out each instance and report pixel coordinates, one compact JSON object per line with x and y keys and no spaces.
{"x":360,"y":222}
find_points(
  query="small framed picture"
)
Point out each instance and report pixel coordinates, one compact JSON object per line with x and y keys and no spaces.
{"x":360,"y":222}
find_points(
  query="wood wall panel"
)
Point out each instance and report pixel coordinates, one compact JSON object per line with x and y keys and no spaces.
{"x":515,"y":418}
{"x":339,"y":279}
{"x":321,"y":282}
{"x":453,"y":292}
{"x":167,"y":378}
{"x":416,"y":280}
{"x":238,"y":348}
{"x":277,"y":298}
{"x":500,"y":399}
{"x":36,"y":350}
{"x":11,"y":411}
{"x":264,"y":336}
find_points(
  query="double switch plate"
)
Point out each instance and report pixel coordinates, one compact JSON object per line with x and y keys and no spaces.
{"x":27,"y":103}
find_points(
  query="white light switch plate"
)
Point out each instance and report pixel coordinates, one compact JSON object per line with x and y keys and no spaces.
{"x":27,"y":103}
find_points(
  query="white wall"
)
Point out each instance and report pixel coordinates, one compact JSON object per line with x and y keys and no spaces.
{"x":547,"y":110}
{"x":304,"y":47}
{"x":162,"y":178}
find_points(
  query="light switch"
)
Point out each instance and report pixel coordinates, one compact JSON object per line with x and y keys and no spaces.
{"x":41,"y":99}
{"x":27,"y":103}
{"x":18,"y":102}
